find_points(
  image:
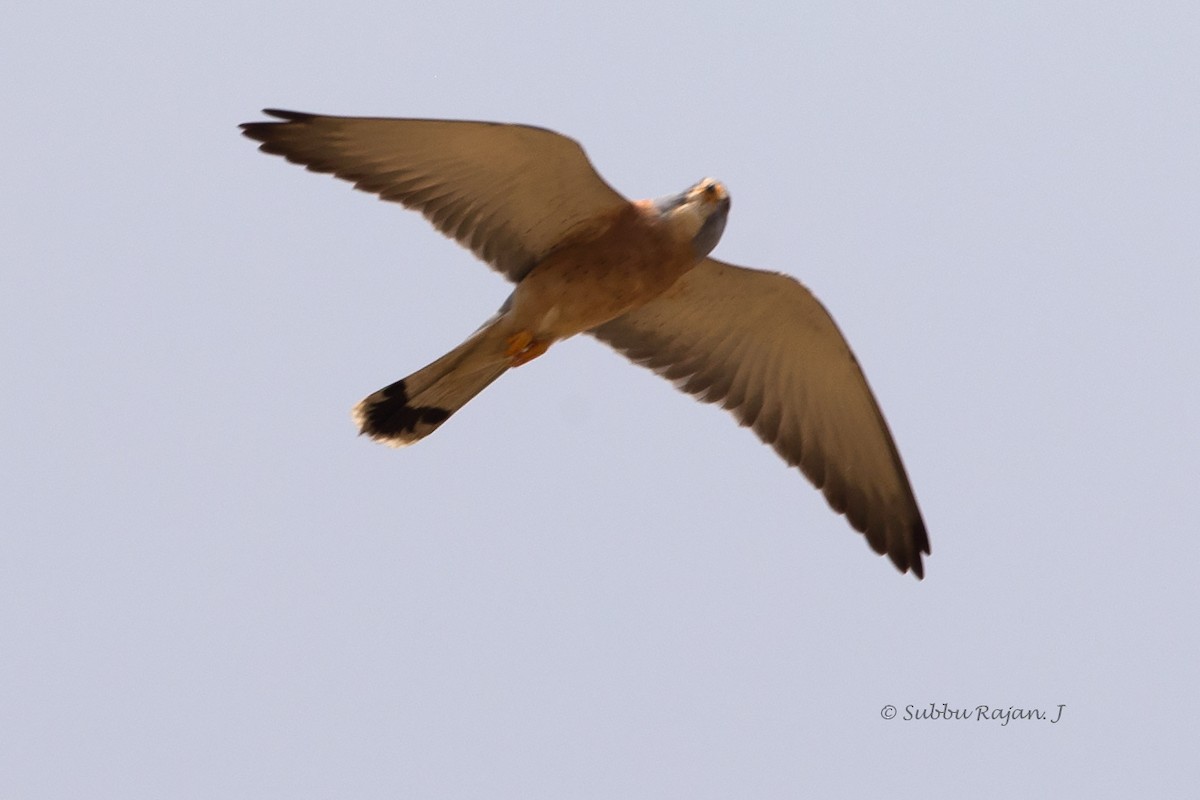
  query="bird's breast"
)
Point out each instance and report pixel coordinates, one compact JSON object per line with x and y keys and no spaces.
{"x":618,"y":264}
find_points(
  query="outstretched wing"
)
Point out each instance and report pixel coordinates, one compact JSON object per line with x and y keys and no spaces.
{"x":762,"y":346}
{"x":510,"y":193}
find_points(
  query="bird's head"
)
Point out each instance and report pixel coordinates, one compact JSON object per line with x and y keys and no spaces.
{"x":698,"y":214}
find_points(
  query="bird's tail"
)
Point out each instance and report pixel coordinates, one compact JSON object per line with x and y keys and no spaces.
{"x":414,"y":407}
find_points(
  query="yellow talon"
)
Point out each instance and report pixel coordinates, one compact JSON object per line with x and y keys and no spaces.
{"x":535,"y":349}
{"x":518,"y":343}
{"x":523,"y":348}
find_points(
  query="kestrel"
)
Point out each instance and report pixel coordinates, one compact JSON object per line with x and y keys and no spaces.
{"x":634,"y":274}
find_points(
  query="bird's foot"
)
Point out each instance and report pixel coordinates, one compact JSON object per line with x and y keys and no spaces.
{"x":523,"y":348}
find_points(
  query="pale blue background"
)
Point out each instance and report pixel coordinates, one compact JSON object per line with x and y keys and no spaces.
{"x":588,"y":585}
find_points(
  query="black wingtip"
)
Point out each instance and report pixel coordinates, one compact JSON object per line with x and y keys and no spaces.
{"x":908,"y":557}
{"x":262,"y":131}
{"x":291,"y":116}
{"x":918,"y":568}
{"x":906,"y":563}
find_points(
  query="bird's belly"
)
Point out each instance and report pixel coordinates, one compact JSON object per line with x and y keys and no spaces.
{"x":579,"y":287}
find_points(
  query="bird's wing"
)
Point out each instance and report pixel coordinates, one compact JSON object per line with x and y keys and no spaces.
{"x":508,"y":192}
{"x":763,"y":347}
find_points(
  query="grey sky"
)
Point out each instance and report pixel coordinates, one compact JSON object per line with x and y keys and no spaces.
{"x":587,"y":584}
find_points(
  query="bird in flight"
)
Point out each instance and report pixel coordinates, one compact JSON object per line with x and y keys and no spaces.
{"x":635,"y":275}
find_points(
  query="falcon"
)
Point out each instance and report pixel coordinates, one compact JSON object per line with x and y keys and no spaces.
{"x":633,"y":274}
